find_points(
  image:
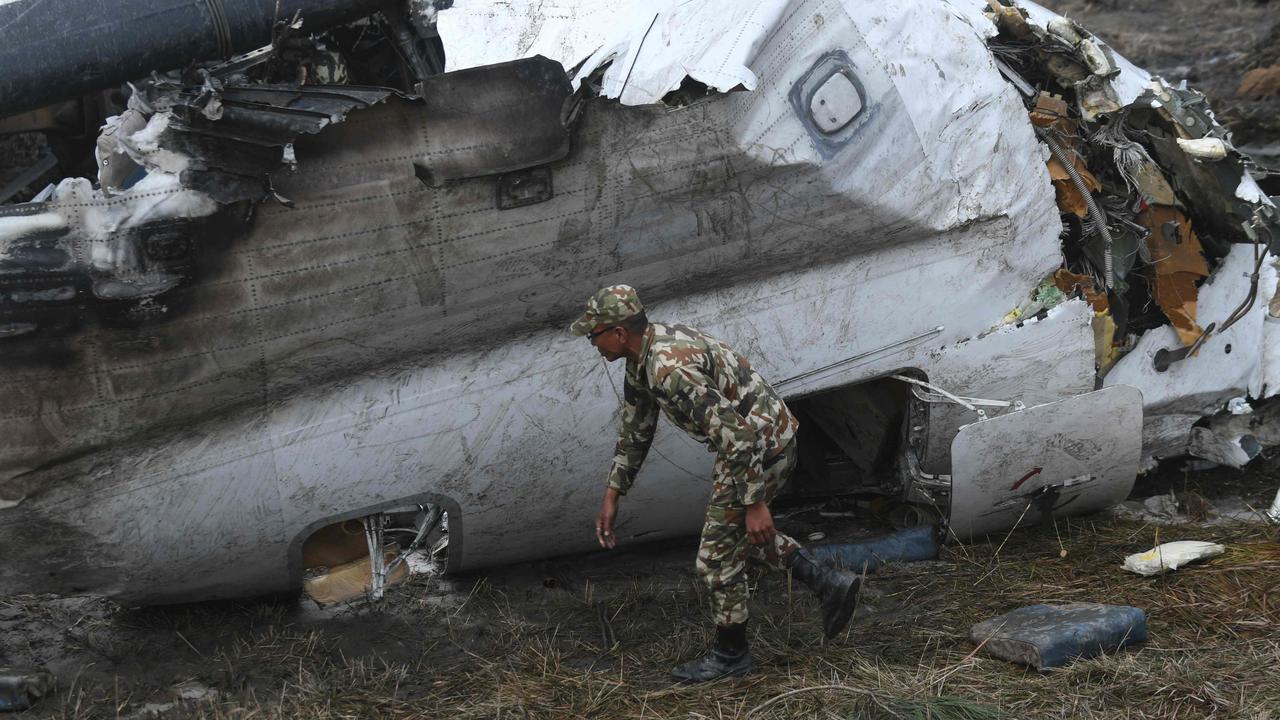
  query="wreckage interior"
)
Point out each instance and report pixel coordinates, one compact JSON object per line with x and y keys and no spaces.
{"x":347,"y":559}
{"x":1151,"y":196}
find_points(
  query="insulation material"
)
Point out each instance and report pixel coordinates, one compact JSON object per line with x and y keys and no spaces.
{"x":1260,"y":83}
{"x":1069,"y":282}
{"x":1105,"y":352}
{"x":1178,"y":262}
{"x":1152,"y":184}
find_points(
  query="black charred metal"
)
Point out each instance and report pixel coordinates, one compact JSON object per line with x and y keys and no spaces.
{"x":59,"y":50}
{"x":233,"y":154}
{"x":514,"y":107}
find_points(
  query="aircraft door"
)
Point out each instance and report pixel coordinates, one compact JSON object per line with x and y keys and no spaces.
{"x":1072,"y":456}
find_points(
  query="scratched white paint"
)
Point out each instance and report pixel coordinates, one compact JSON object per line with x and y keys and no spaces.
{"x":653,"y":46}
{"x":515,"y":440}
{"x":1084,"y":448}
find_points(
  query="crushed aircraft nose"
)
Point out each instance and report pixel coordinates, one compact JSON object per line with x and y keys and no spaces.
{"x":20,"y":688}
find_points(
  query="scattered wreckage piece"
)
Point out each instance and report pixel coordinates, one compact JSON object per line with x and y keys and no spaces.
{"x":916,"y":543}
{"x":1171,"y":556}
{"x":1029,"y":465}
{"x":20,"y":688}
{"x":1051,"y":636}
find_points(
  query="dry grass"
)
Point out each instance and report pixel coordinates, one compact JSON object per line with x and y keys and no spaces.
{"x":508,"y":651}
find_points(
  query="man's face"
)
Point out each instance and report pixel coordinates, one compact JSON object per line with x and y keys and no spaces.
{"x":609,"y":340}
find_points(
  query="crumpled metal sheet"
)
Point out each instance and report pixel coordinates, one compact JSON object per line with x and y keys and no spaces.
{"x":1178,"y":262}
{"x":1129,"y":83}
{"x":652,"y":46}
{"x":1228,"y":364}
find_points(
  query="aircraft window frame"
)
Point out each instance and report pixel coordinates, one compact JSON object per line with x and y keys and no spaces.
{"x":835,"y":62}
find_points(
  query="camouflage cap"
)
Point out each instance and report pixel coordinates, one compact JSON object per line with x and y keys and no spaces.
{"x":608,"y":306}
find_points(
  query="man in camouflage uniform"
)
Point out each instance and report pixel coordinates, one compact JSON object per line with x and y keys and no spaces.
{"x":712,"y":393}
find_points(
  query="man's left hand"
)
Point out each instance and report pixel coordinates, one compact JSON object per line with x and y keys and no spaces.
{"x":760,"y":528}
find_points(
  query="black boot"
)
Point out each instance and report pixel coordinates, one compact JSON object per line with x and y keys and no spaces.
{"x":729,"y":656}
{"x":836,"y":589}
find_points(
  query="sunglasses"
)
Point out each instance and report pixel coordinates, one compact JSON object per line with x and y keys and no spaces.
{"x":591,"y":336}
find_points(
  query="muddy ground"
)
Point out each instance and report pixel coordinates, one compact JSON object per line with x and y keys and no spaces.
{"x":594,"y":636}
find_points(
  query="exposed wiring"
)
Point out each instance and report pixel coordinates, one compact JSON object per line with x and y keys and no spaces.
{"x":1095,"y":213}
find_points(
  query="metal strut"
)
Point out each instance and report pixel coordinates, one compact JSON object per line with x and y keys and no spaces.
{"x":939,"y":396}
{"x":374,"y":534}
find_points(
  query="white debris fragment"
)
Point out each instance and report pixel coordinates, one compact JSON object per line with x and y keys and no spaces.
{"x":423,"y":12}
{"x":1235,"y":451}
{"x":1064,"y":29}
{"x":1171,"y":556}
{"x":1249,"y":191}
{"x":147,"y":139}
{"x":1161,"y":505}
{"x":1274,"y":511}
{"x":158,"y":196}
{"x":1204,"y":148}
{"x":1239,"y":406}
{"x":22,"y":225}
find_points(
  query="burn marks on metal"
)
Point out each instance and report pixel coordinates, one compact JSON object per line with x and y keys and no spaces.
{"x":527,"y":187}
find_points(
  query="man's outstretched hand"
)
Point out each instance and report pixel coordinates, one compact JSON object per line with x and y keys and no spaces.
{"x":604,"y":521}
{"x":760,"y":528}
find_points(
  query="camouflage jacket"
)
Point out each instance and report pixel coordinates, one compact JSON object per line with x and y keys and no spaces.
{"x":710,"y":392}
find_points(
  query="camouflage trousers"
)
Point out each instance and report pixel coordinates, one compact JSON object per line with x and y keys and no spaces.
{"x":725,"y":550}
